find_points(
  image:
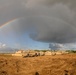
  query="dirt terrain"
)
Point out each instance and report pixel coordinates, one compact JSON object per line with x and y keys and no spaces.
{"x":42,"y":65}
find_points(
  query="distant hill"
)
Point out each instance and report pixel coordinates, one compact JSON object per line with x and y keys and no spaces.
{"x":7,"y":50}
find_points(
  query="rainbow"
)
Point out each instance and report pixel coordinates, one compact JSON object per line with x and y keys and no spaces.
{"x":7,"y":23}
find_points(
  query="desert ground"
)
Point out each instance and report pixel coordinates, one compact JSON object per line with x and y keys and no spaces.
{"x":41,"y":65}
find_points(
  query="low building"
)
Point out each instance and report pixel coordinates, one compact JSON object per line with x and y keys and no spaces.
{"x":19,"y":53}
{"x":61,"y":52}
{"x":29,"y":53}
{"x":50,"y":53}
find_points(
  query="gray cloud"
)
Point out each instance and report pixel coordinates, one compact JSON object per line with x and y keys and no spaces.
{"x":57,"y":46}
{"x":56,"y":25}
{"x":51,"y":21}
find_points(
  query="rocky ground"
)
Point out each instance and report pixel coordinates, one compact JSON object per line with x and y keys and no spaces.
{"x":42,"y":65}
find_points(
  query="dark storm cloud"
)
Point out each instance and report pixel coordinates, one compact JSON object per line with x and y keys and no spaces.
{"x":54,"y":24}
{"x":57,"y":46}
{"x":46,"y":20}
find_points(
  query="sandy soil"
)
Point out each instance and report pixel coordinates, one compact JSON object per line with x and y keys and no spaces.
{"x":42,"y":65}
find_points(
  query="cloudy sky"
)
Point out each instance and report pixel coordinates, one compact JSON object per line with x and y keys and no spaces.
{"x":38,"y":24}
